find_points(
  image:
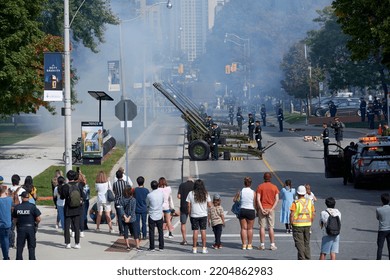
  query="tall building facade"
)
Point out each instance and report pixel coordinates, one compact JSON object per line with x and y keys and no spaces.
{"x":194,"y":26}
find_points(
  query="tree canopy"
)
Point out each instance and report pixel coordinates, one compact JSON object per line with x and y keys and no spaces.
{"x":30,"y":28}
{"x":367,"y":22}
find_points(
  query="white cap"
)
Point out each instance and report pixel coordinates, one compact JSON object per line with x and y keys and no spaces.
{"x":301,"y":190}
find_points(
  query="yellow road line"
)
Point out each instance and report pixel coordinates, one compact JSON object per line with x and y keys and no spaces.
{"x":273,"y":172}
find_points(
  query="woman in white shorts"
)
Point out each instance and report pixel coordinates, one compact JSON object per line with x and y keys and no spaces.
{"x":102,"y":184}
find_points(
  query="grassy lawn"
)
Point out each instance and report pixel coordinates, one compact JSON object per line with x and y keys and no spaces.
{"x":292,"y":118}
{"x":9,"y":134}
{"x":42,"y":181}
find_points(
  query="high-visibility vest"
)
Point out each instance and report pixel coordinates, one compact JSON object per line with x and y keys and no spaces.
{"x":302,"y":215}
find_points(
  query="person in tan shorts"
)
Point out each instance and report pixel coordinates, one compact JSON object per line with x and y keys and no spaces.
{"x":267,"y":196}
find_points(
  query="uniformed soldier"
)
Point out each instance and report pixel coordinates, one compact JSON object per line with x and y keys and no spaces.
{"x":251,"y":126}
{"x":263,"y":113}
{"x":208,"y":122}
{"x":377,"y":108}
{"x":215,"y":134}
{"x":26,"y":216}
{"x":332,"y":109}
{"x":231,"y":114}
{"x":239,"y":119}
{"x":325,"y":139}
{"x":338,"y":128}
{"x":280,"y":119}
{"x":349,"y":152}
{"x":363,"y":109}
{"x":258,"y":136}
{"x":370,"y":115}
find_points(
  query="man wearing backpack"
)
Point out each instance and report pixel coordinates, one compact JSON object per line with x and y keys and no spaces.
{"x":73,"y":194}
{"x":330,"y":223}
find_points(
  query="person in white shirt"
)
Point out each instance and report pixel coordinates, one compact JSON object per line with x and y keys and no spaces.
{"x":124,"y":177}
{"x":329,"y":244}
{"x":198,"y":202}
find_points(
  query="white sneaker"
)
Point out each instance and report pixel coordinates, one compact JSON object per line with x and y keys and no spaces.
{"x":77,"y":246}
{"x":67,"y":246}
{"x":82,"y":234}
{"x":112,"y":231}
{"x":204,"y":250}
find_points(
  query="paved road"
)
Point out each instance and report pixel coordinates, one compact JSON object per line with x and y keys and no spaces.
{"x":159,"y":152}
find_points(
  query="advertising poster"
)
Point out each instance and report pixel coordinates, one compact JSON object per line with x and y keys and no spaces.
{"x":92,"y":139}
{"x":113,"y":76}
{"x":53,"y":77}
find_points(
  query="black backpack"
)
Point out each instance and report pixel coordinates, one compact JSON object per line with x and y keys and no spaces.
{"x":75,"y":199}
{"x":333,"y":225}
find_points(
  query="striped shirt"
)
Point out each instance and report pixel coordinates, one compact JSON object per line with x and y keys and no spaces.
{"x":118,"y":189}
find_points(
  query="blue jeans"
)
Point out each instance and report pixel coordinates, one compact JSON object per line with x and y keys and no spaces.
{"x":139,"y":217}
{"x":4,"y":241}
{"x":60,"y":211}
{"x":382,"y":236}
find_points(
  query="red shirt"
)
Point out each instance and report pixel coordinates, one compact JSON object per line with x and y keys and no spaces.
{"x":268,"y":192}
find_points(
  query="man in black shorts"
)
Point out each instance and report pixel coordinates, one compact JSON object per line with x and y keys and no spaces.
{"x":182,"y":194}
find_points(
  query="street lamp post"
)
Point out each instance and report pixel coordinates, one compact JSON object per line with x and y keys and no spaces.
{"x":231,"y":37}
{"x":123,"y":86}
{"x":67,"y":95}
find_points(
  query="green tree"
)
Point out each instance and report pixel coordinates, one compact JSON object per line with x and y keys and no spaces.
{"x":367,"y":24}
{"x":328,"y":50}
{"x":89,"y":20}
{"x":30,"y":28}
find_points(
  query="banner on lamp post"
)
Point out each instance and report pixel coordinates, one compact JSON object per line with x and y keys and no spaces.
{"x":113,"y":76}
{"x":53,"y":77}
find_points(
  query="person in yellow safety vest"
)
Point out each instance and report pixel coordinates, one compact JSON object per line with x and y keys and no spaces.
{"x":302,"y":213}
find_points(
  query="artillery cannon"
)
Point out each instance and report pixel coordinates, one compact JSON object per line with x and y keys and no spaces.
{"x":199,"y":136}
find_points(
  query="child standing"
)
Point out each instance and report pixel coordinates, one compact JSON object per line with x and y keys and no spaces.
{"x":309,"y":194}
{"x":217,"y":220}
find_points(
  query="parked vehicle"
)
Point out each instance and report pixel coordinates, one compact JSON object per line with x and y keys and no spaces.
{"x":346,"y":106}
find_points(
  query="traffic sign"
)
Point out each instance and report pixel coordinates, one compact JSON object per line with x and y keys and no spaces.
{"x":127,"y":106}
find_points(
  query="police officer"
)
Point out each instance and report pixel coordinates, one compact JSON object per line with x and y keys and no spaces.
{"x":251,"y":126}
{"x":280,"y":119}
{"x":215,"y":134}
{"x":325,"y":139}
{"x":263,"y":113}
{"x":26,"y":217}
{"x":363,"y":109}
{"x":239,"y":119}
{"x":258,"y":136}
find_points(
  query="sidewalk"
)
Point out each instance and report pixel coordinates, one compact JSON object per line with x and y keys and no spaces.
{"x":34,"y":155}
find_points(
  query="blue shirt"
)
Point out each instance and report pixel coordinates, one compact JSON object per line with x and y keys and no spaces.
{"x":155,"y":200}
{"x":140,"y":196}
{"x":5,"y":212}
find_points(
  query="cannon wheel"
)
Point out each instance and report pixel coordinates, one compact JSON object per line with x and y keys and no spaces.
{"x":199,"y":150}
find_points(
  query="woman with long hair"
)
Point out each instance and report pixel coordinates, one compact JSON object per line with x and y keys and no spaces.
{"x":102,"y":185}
{"x":247,"y":215}
{"x":29,"y":187}
{"x":168,"y":203}
{"x":199,"y":202}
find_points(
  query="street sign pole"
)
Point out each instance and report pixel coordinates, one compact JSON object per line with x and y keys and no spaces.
{"x":126,"y":137}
